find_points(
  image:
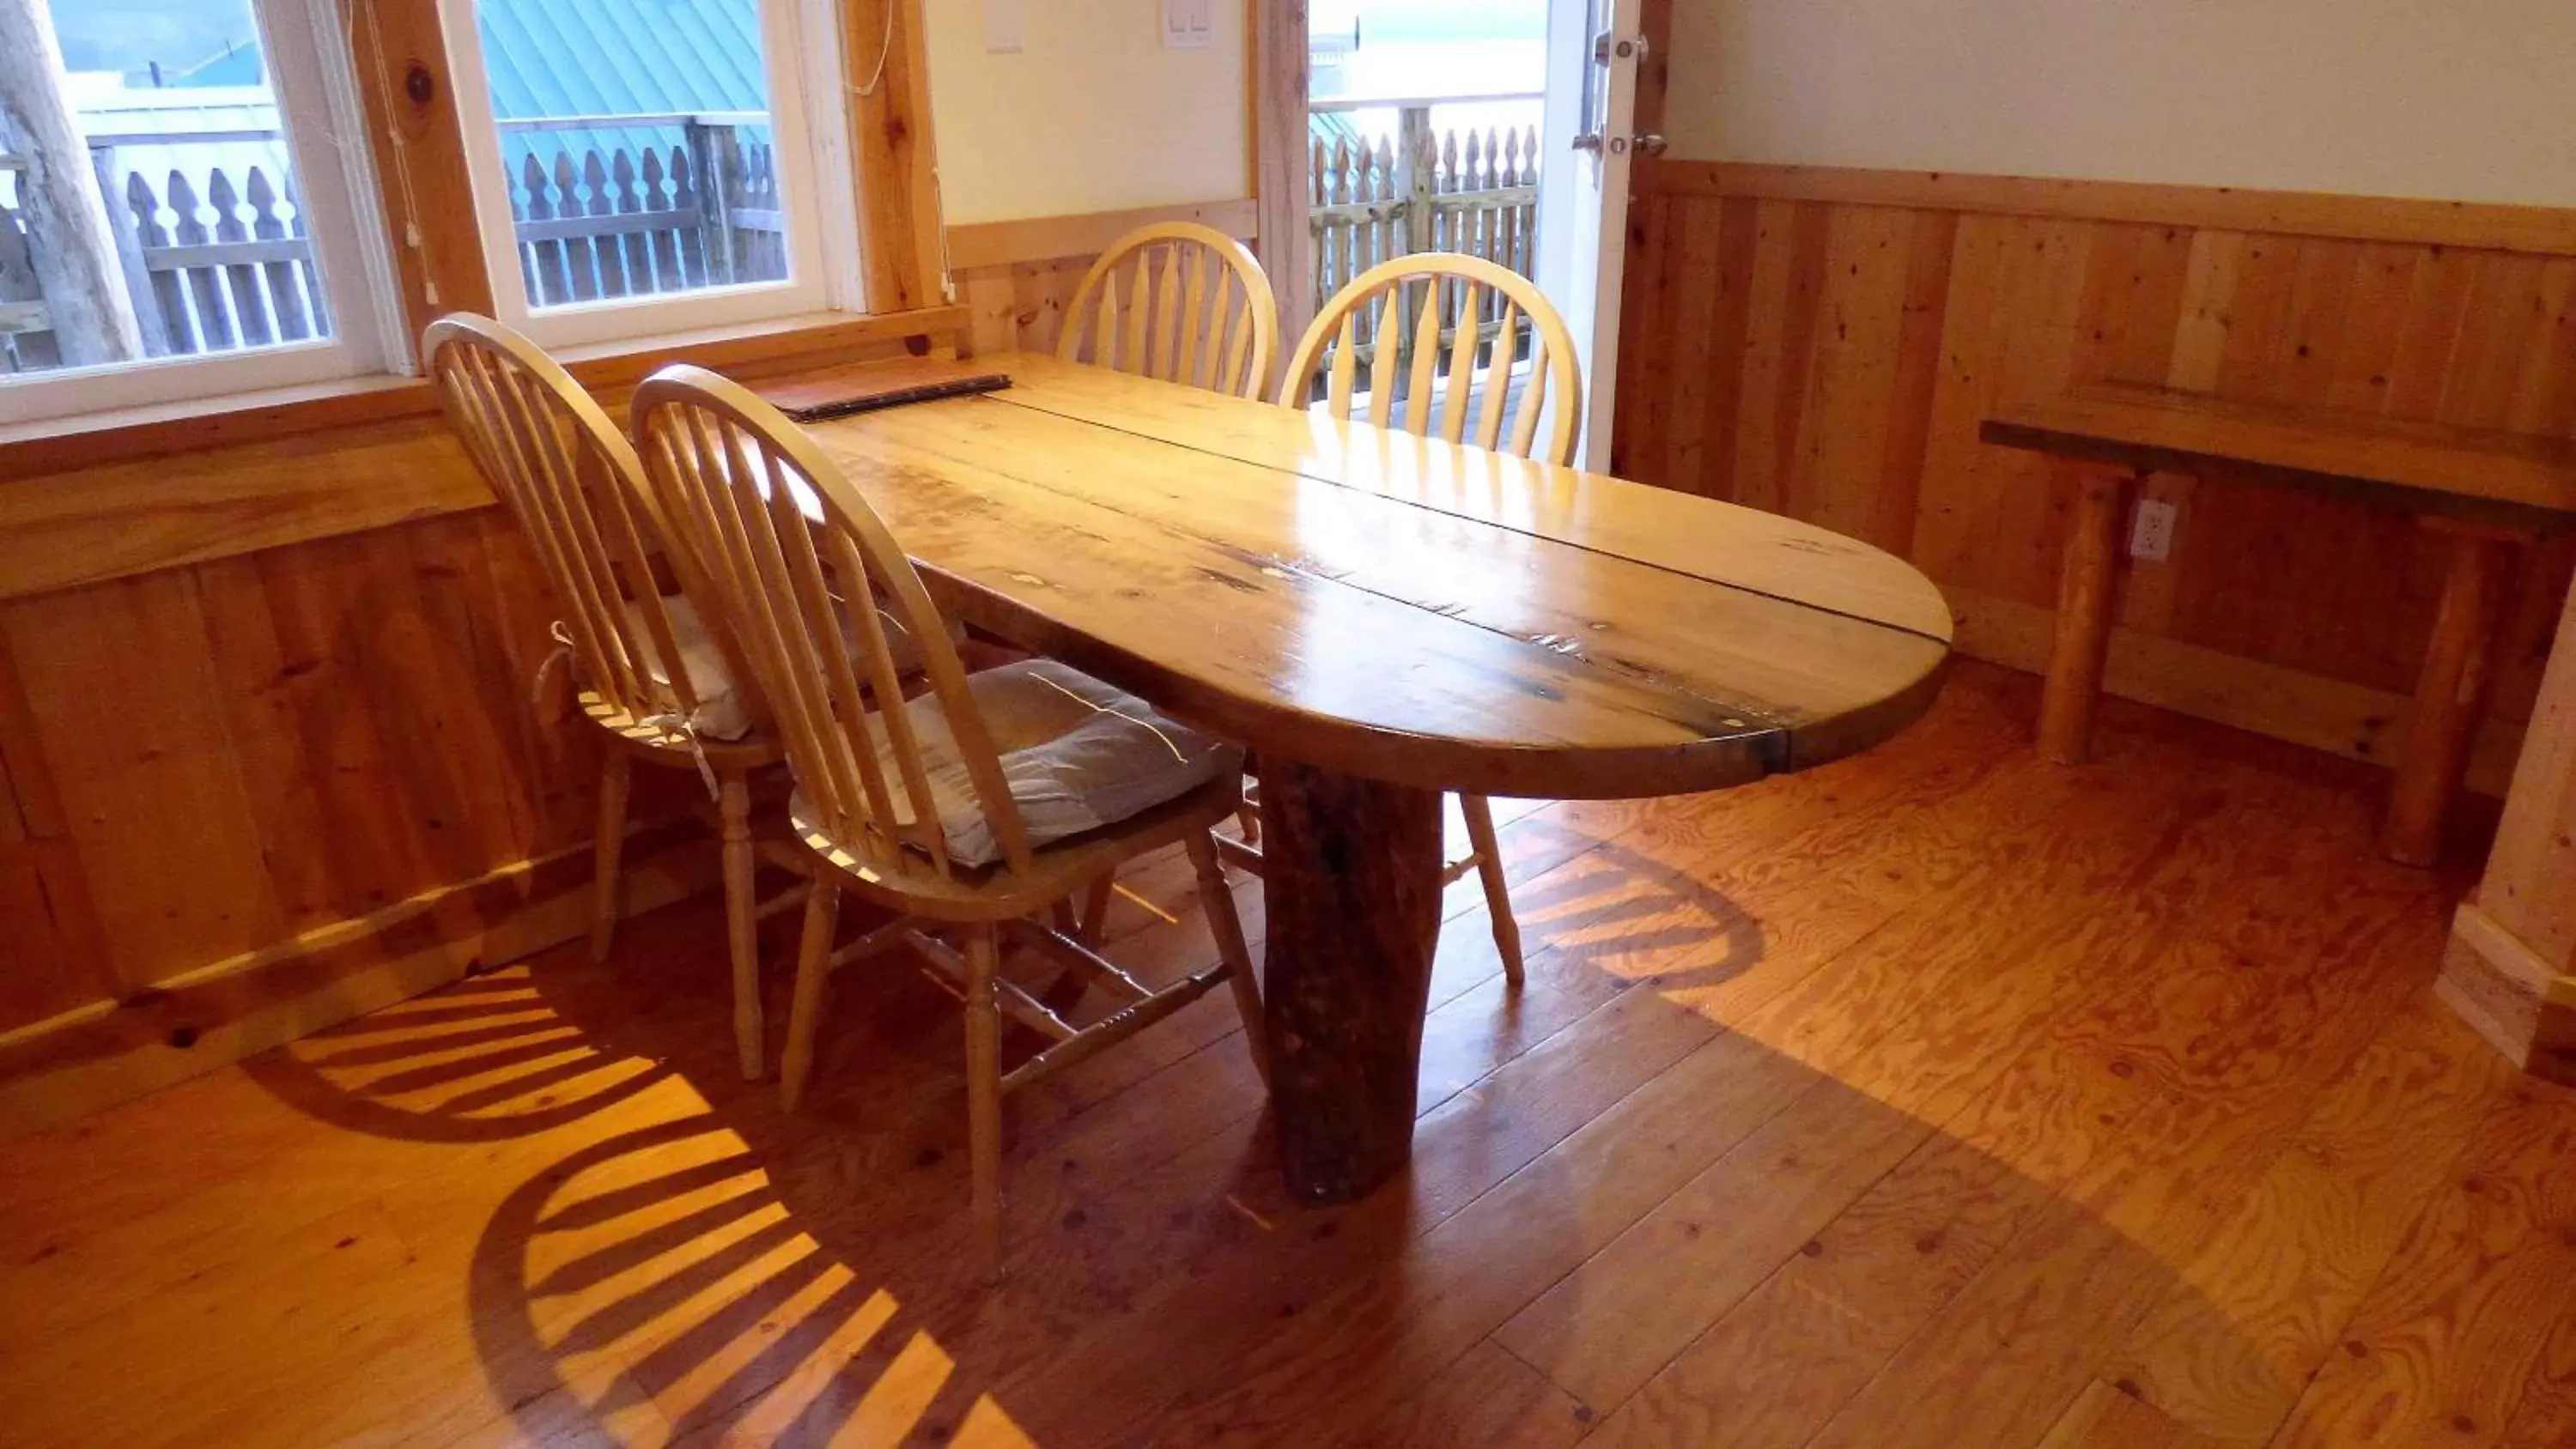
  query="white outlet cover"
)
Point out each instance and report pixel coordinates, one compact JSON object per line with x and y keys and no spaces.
{"x":2151,"y":536}
{"x":1006,"y":26}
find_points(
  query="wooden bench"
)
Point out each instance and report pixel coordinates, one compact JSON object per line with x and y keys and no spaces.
{"x":2487,"y":492}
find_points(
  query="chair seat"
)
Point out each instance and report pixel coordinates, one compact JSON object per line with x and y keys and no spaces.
{"x":724,"y":709}
{"x":1077,"y":755}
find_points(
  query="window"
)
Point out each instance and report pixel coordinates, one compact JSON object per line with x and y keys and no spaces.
{"x":175,"y":218}
{"x":652,"y":166}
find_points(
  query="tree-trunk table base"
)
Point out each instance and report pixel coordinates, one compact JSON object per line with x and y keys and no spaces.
{"x":1351,"y":879}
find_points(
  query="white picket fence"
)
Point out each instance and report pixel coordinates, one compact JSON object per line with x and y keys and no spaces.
{"x":1423,"y":190}
{"x":216,"y":265}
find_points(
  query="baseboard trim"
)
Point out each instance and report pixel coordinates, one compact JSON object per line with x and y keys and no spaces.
{"x":2524,"y":1006}
{"x":82,"y":1061}
{"x":2341,"y":718}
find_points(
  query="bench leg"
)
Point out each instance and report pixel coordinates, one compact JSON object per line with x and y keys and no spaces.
{"x":2450,"y":694}
{"x":2088,"y":592}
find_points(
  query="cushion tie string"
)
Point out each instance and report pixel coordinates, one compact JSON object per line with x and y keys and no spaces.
{"x":1144,"y":724}
{"x":678,"y":724}
{"x":562,"y":655}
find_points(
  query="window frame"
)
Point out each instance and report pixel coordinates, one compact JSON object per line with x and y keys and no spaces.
{"x":810,"y":127}
{"x":312,"y":76}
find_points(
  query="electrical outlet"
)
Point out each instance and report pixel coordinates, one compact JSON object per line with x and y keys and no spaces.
{"x":1189,"y":24}
{"x":2151,"y":537}
{"x":1006,"y":26}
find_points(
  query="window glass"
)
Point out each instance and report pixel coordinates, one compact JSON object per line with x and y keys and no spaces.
{"x":149,"y":202}
{"x":637,"y":146}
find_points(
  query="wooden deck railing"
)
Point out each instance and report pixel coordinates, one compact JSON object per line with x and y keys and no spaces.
{"x":232,"y":267}
{"x":1423,"y":190}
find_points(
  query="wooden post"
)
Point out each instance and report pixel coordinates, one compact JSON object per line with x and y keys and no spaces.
{"x":2450,"y":692}
{"x":1416,"y":170}
{"x":70,"y":244}
{"x":1280,"y":150}
{"x":2511,"y":968}
{"x":905,"y":254}
{"x":149,"y":324}
{"x":2088,"y":591}
{"x":1351,"y":882}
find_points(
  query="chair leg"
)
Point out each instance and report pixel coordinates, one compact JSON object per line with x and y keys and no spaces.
{"x":616,"y":782}
{"x":1095,"y":910}
{"x":742,"y":924}
{"x":1217,"y":897}
{"x":984,"y":1094}
{"x":813,"y":966}
{"x":1498,"y":895}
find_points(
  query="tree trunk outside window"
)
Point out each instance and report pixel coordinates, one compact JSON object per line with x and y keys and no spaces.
{"x":69,"y":245}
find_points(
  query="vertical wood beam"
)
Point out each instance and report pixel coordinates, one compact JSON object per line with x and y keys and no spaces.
{"x":898,"y":180}
{"x":418,"y":141}
{"x":1279,"y":174}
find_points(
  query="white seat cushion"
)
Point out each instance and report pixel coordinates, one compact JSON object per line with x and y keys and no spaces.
{"x":723,"y":713}
{"x":1077,"y":755}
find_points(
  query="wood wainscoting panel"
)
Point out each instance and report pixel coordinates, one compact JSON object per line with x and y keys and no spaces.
{"x":245,"y":770}
{"x":1825,"y":343}
{"x":1017,"y":277}
{"x":280,"y":735}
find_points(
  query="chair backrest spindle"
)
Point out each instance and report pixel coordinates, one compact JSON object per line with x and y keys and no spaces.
{"x":795,"y":555}
{"x":1179,"y":302}
{"x":1417,"y":298}
{"x":573,"y":484}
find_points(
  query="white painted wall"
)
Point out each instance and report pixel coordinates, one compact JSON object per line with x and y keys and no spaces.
{"x":2458,"y":99}
{"x":1094,"y":115}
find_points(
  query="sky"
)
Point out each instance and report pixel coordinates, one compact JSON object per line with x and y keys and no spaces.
{"x":1434,"y":19}
{"x":126,"y":35}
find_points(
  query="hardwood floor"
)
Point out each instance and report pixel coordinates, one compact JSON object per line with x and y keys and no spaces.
{"x":1941,"y":1097}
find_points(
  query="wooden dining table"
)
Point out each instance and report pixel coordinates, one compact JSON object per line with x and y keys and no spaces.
{"x":1381,"y":618}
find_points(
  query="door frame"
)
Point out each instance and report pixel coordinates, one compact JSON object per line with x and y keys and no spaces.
{"x":1275,"y":98}
{"x":1276,"y":82}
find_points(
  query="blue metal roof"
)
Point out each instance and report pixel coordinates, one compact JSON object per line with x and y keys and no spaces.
{"x":554,"y":58}
{"x":622,"y":57}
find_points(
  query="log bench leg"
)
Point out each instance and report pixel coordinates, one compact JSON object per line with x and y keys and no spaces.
{"x":2088,"y":592}
{"x":1351,"y":884}
{"x":2450,"y":693}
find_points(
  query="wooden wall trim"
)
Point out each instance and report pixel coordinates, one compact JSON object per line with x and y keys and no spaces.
{"x":195,"y":489}
{"x":898,"y":162}
{"x":2339,"y":717}
{"x":415,"y":135}
{"x":95,"y":1056}
{"x":2533,"y":230}
{"x":62,"y":445}
{"x":983,"y":244}
{"x":1280,"y":158}
{"x":162,"y":513}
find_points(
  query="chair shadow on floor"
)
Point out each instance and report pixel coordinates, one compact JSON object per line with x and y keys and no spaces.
{"x":695,"y":1265}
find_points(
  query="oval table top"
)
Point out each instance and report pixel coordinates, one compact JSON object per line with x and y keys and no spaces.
{"x":1397,"y":608}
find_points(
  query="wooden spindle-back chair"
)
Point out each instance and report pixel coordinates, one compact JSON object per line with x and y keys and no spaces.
{"x":1480,"y":373}
{"x":570,"y":479}
{"x":782,"y":533}
{"x":1178,"y":302}
{"x":1406,"y":325}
